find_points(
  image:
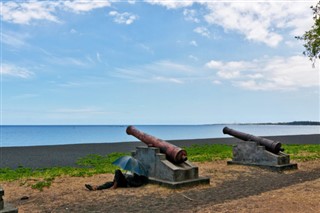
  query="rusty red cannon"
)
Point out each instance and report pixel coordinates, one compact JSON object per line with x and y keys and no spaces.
{"x":173,"y":153}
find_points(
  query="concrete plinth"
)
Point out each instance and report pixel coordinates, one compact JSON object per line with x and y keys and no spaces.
{"x":6,"y":207}
{"x":252,"y":154}
{"x":164,"y":172}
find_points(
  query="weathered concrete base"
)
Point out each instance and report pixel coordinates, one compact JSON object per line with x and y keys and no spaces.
{"x":278,"y":168}
{"x":180,"y":184}
{"x":251,"y":154}
{"x":6,"y":207}
{"x":164,"y":172}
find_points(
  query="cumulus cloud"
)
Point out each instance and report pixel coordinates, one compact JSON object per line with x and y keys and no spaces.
{"x":79,"y":6}
{"x":123,"y":18}
{"x":263,"y":74}
{"x":24,"y":12}
{"x":271,"y":73}
{"x":261,"y":21}
{"x":171,"y":4}
{"x":15,"y":71}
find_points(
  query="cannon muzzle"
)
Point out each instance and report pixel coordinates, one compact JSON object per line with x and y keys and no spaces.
{"x":270,"y":145}
{"x":173,"y":153}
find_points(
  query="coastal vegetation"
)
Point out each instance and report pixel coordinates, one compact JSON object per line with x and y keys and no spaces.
{"x":294,"y":123}
{"x":97,"y":164}
{"x":312,"y":36}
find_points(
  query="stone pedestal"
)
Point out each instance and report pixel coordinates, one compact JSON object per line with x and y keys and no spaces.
{"x":163,"y":172}
{"x":6,"y":207}
{"x":252,"y":154}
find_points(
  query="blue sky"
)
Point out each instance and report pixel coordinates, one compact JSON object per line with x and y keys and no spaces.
{"x":156,"y":62}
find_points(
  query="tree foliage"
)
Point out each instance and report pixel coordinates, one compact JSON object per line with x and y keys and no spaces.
{"x":312,"y":37}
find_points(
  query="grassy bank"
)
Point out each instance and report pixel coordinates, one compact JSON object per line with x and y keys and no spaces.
{"x":96,"y":164}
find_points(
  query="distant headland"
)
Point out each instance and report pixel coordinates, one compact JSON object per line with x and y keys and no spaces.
{"x":293,"y":123}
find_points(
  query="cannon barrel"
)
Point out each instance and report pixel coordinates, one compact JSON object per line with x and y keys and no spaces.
{"x":173,"y":153}
{"x":270,"y":145}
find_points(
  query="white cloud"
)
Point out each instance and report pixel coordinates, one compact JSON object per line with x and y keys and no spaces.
{"x":274,"y":73}
{"x":146,"y":48}
{"x":24,"y":12}
{"x":228,"y":74}
{"x":79,"y":6}
{"x":202,"y":31}
{"x":131,"y":1}
{"x":217,"y":82}
{"x":193,"y":57}
{"x":170,"y":4}
{"x":214,"y":64}
{"x":161,"y":71}
{"x":123,"y":18}
{"x":99,"y":57}
{"x":15,"y":71}
{"x":193,"y":43}
{"x":73,"y":31}
{"x":261,"y":21}
{"x":190,"y":15}
{"x":66,"y":61}
{"x":13,"y":39}
{"x":166,"y":79}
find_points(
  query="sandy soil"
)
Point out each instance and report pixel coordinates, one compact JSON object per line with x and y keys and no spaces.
{"x":232,"y":189}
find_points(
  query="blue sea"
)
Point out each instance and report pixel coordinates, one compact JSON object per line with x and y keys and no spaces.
{"x":12,"y":136}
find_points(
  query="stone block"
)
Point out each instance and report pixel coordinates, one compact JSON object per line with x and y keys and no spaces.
{"x":162,"y":171}
{"x":250,"y":153}
{"x":6,"y":207}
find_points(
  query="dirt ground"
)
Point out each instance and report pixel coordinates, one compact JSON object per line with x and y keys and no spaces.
{"x":232,"y":188}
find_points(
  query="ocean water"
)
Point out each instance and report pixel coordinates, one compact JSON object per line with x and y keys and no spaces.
{"x":11,"y":136}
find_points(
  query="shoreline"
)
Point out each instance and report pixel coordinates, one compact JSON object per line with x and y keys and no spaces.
{"x":67,"y":155}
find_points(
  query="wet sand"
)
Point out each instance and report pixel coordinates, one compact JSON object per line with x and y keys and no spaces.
{"x":66,"y":155}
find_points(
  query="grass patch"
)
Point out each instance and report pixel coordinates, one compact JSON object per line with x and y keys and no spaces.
{"x":40,"y":178}
{"x":41,"y":184}
{"x":303,"y":152}
{"x":98,"y":164}
{"x":202,"y":153}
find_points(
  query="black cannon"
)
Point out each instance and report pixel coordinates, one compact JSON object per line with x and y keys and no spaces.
{"x":270,"y":145}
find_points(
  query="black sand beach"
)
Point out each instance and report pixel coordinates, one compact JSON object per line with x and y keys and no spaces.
{"x":66,"y":155}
